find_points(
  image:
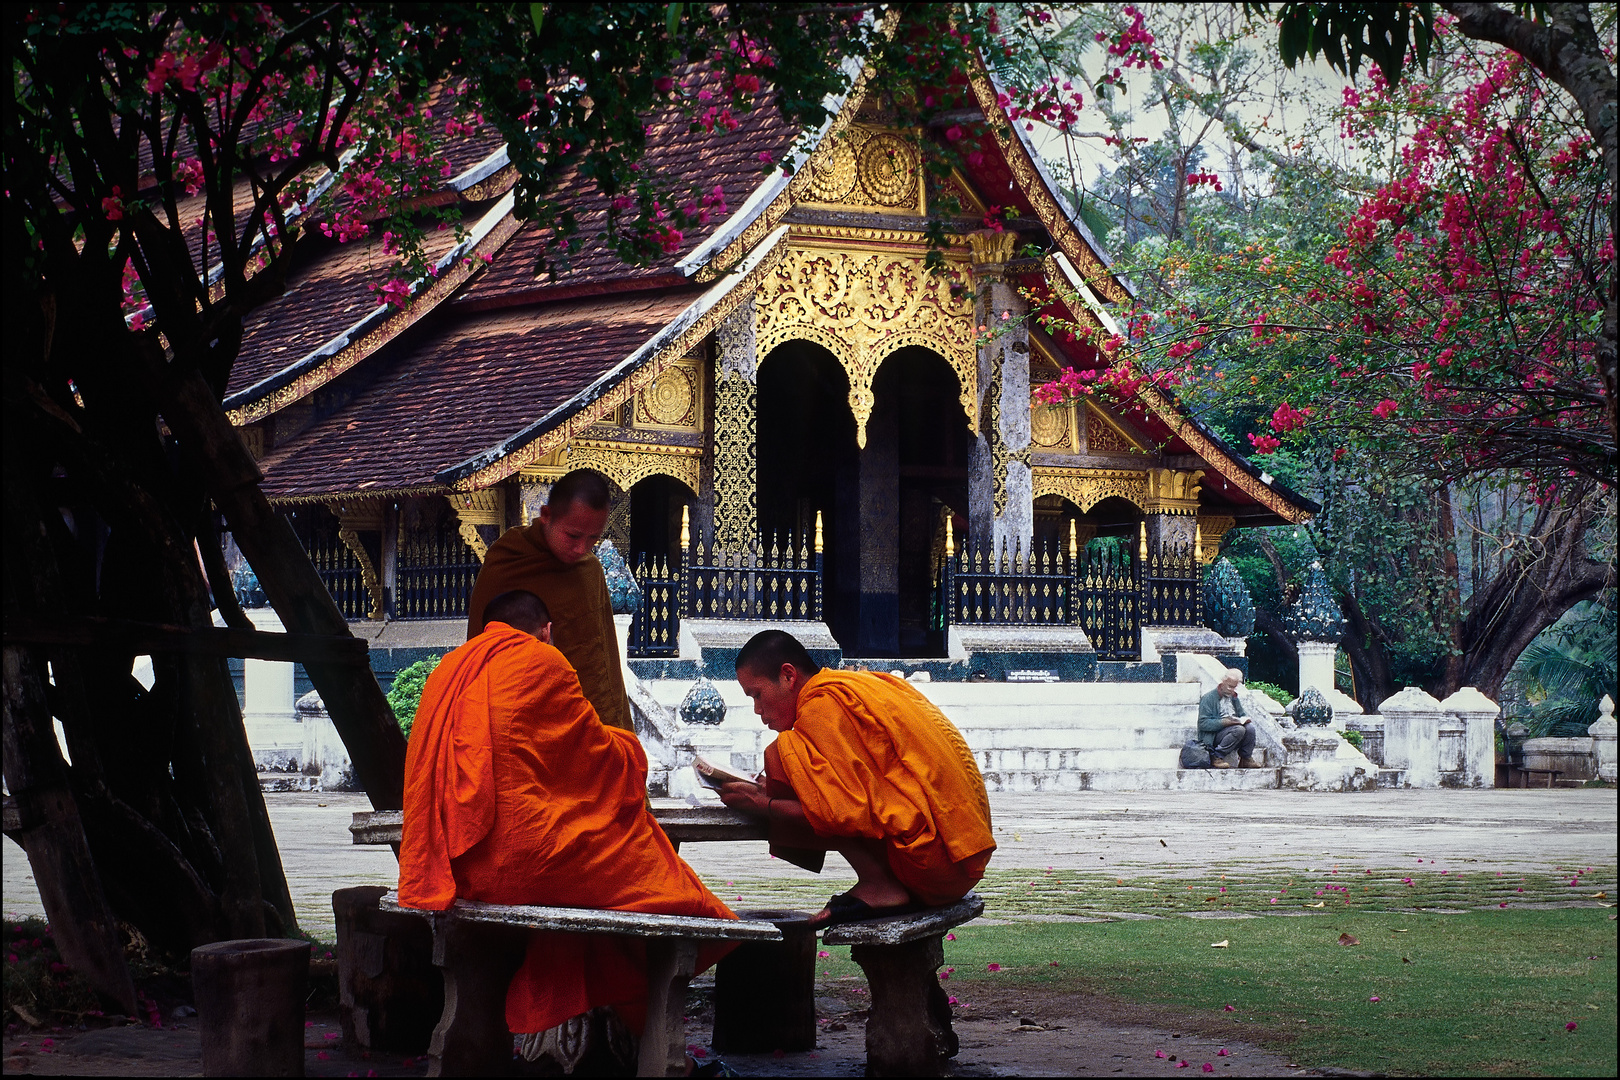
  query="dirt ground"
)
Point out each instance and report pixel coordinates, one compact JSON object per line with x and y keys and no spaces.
{"x":1007,"y":1034}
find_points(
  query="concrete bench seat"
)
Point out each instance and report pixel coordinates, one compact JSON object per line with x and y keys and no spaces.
{"x":680,"y":824}
{"x":908,"y":1030}
{"x":479,"y":946}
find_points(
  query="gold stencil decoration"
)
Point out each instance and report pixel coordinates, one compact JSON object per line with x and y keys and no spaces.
{"x":1104,"y":437}
{"x":627,"y":466}
{"x":1211,"y":529}
{"x":670,"y":400}
{"x":736,"y":498}
{"x":1088,"y":487}
{"x":1049,"y":425}
{"x":861,"y":307}
{"x":869,"y":169}
{"x":475,"y":508}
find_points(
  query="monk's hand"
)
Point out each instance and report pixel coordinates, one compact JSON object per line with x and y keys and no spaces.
{"x":749,"y":798}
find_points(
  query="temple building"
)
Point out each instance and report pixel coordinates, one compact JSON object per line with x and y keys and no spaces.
{"x":802,"y":420}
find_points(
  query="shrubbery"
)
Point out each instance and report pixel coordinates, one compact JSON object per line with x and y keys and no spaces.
{"x":406,"y":692}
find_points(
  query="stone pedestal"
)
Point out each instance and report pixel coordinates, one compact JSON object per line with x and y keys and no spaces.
{"x":1603,"y":740}
{"x":1412,"y":736}
{"x":250,"y":1005}
{"x":389,"y":993}
{"x":765,"y":991}
{"x":324,"y":753}
{"x":1477,"y":714}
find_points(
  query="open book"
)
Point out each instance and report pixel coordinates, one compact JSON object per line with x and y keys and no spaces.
{"x":711,"y":775}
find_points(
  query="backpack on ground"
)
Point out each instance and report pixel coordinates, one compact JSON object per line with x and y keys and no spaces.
{"x":1195,"y":755}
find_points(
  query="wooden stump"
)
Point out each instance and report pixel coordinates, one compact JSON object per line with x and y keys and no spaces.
{"x":765,"y":992}
{"x":389,"y":993}
{"x":250,"y":1004}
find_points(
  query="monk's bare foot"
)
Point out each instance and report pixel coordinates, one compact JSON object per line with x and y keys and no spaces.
{"x":878,"y":895}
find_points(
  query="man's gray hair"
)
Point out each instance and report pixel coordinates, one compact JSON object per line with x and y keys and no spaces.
{"x":1232,"y":675}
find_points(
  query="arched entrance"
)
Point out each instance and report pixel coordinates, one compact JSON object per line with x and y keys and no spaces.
{"x":883,"y":505}
{"x":655,"y":518}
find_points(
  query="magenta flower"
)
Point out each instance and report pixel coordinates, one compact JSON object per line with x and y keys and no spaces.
{"x":1373,"y":998}
{"x":1158,"y":1053}
{"x":1231,"y":1008}
{"x":1223,"y":1052}
{"x":1571,"y":1026}
{"x":992,"y":967}
{"x":952,"y":937}
{"x":950,"y":1001}
{"x":1208,"y":1067}
{"x":1182,"y":1064}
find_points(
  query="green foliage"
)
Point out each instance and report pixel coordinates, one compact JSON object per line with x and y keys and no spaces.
{"x":1228,"y":608}
{"x":406,"y":692}
{"x":1348,"y":34}
{"x":1567,"y":670}
{"x":1353,"y":737}
{"x":1271,"y":690}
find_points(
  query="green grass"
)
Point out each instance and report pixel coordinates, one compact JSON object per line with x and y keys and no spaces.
{"x":1468,"y":994}
{"x":1465,"y":985}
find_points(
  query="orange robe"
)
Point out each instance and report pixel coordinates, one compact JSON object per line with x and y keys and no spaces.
{"x":515,"y":793}
{"x":870,"y":756}
{"x":581,"y":612}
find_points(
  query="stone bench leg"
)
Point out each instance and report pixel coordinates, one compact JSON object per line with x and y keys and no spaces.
{"x":670,"y":964}
{"x":478,"y":962}
{"x":765,"y":991}
{"x":908,"y":1030}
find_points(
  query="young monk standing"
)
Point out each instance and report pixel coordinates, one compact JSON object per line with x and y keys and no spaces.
{"x":863,"y":764}
{"x":555,"y":558}
{"x":515,"y":793}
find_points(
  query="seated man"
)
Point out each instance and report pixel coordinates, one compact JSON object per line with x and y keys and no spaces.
{"x":863,"y":764}
{"x":515,"y":793}
{"x":1223,"y":727}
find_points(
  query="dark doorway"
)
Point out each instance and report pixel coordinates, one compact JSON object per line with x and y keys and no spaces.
{"x":807,"y":455}
{"x":655,"y":519}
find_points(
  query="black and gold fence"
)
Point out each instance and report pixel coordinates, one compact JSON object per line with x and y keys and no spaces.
{"x":436,"y":571}
{"x":656,"y":626}
{"x":1106,"y":599}
{"x":1172,"y":586}
{"x":1023,"y":589}
{"x":334,"y":561}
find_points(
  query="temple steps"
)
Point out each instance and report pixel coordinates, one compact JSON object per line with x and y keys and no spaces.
{"x":1128,"y":779}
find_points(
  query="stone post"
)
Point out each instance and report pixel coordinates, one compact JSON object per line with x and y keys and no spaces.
{"x":736,"y":432}
{"x":1001,"y":499}
{"x":1412,"y":736}
{"x":1603,"y":744}
{"x":1478,"y":714}
{"x":1316,"y":664}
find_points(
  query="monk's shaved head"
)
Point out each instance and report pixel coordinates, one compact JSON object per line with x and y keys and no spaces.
{"x":520,"y":609}
{"x":582,"y":486}
{"x":768,"y":650}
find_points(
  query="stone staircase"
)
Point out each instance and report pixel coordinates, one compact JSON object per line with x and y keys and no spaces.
{"x":1099,"y":736}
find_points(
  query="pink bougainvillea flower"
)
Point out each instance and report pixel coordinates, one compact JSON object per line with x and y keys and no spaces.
{"x":1158,"y":1053}
{"x":1231,"y":1008}
{"x":1182,"y":1064}
{"x":952,"y":937}
{"x":823,"y":954}
{"x":1053,"y":963}
{"x":1502,"y":904}
{"x":1208,"y":1067}
{"x":1373,"y":998}
{"x":322,"y":1056}
{"x":992,"y":967}
{"x":951,"y":1001}
{"x":1571,"y":1026}
{"x":1223,"y":1052}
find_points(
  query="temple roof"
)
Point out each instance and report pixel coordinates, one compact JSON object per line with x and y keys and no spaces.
{"x":460,"y":387}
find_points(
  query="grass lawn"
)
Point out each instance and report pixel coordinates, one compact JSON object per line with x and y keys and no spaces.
{"x":1474,"y":972}
{"x":1465,"y":994}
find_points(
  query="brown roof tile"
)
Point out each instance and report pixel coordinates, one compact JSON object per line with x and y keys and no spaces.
{"x":462,"y":388}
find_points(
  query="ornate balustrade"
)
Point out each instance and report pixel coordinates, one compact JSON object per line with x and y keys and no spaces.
{"x":436,"y":572}
{"x":1172,"y":585}
{"x":656,"y":626}
{"x":1027,"y":589}
{"x":1107,"y":599}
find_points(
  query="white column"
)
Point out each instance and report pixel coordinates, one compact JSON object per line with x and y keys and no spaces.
{"x":270,"y":715}
{"x":1478,"y":714}
{"x":1412,"y":736}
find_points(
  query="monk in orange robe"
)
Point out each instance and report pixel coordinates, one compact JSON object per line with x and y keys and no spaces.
{"x":865,"y":765}
{"x":555,"y":558}
{"x":516,"y":793}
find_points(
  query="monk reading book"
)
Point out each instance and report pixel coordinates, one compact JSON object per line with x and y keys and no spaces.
{"x":555,"y":558}
{"x":516,"y":793}
{"x":863,"y":764}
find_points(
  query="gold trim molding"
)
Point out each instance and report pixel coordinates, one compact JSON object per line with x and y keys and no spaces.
{"x":1086,"y":488}
{"x":355,"y":515}
{"x":1172,"y":491}
{"x":1211,"y":529}
{"x":862,"y":307}
{"x":626,"y":466}
{"x":475,"y":508}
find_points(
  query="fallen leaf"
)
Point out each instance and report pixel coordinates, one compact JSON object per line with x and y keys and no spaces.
{"x":1346,"y":939}
{"x":1600,"y":896}
{"x":1319,"y":903}
{"x":1406,"y":959}
{"x":1163,"y":844}
{"x":1221,"y":944}
{"x":1400,"y":931}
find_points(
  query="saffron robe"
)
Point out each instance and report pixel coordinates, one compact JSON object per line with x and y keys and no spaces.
{"x":870,"y":756}
{"x":515,"y":793}
{"x":581,"y":612}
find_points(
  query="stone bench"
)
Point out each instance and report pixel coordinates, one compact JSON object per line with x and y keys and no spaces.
{"x":478,"y":947}
{"x":680,"y":823}
{"x":908,"y":1030}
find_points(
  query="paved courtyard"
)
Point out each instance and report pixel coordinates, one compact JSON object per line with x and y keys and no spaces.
{"x":1113,"y":831}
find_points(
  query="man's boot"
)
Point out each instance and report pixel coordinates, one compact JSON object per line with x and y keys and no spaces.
{"x":1251,"y":763}
{"x":1219,"y":762}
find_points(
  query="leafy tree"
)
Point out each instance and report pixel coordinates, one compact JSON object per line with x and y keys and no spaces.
{"x":406,"y":692}
{"x":1567,"y":671}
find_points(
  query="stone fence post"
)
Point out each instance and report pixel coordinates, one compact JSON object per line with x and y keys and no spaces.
{"x":1603,"y":744}
{"x":1478,"y":714}
{"x":1412,"y":736}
